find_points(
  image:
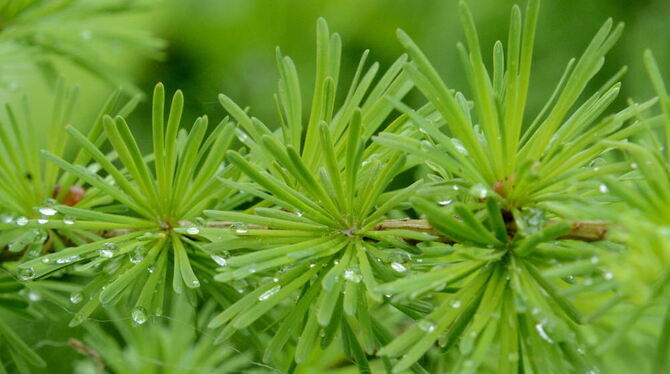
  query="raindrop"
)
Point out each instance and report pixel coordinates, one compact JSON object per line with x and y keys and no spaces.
{"x":47,"y":211}
{"x":603,"y":188}
{"x":456,"y":304}
{"x":139,"y":315}
{"x":444,"y":202}
{"x":195,"y":283}
{"x":240,"y":228}
{"x":76,"y":297}
{"x":633,"y":165}
{"x":27,"y":273}
{"x":479,"y":191}
{"x":426,"y":325}
{"x":138,"y":255}
{"x":220,"y":260}
{"x":595,"y":260}
{"x":608,"y":275}
{"x":108,"y":250}
{"x":352,"y":275}
{"x":269,"y":293}
{"x":22,"y":221}
{"x":459,"y":146}
{"x":42,"y":220}
{"x":67,"y":260}
{"x":400,"y":268}
{"x":68,"y":220}
{"x":34,"y":296}
{"x":540,"y":330}
{"x":193,"y":230}
{"x":455,"y":187}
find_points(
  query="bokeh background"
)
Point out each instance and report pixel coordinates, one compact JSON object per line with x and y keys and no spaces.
{"x":228,"y":46}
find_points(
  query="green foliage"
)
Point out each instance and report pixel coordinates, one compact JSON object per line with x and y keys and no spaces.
{"x":463,"y":235}
{"x":43,"y":32}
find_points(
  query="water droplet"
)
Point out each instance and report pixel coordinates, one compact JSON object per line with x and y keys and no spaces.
{"x":67,"y":260}
{"x":46,"y":260}
{"x":27,"y":273}
{"x":633,"y":165}
{"x":298,"y":213}
{"x":456,"y":304}
{"x":445,"y":202}
{"x":34,"y":296}
{"x":603,"y":188}
{"x":195,"y":283}
{"x":240,"y":228}
{"x":540,"y":330}
{"x":220,"y":260}
{"x":42,"y":220}
{"x":513,"y":357}
{"x":479,"y":191}
{"x":352,"y":275}
{"x":69,"y":220}
{"x":426,"y":325}
{"x":47,"y":211}
{"x":139,"y":315}
{"x":269,"y":293}
{"x":608,"y":275}
{"x":150,"y":269}
{"x":138,"y":254}
{"x":595,"y":260}
{"x":107,"y":250}
{"x":459,"y":146}
{"x":22,"y":221}
{"x":400,"y":268}
{"x":193,"y":230}
{"x":76,"y":297}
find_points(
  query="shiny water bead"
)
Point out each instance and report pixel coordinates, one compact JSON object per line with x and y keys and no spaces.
{"x":22,"y":221}
{"x":479,"y":191}
{"x":352,"y":275}
{"x":139,"y":315}
{"x":240,"y":228}
{"x":76,"y":297}
{"x":193,"y":230}
{"x":543,"y":334}
{"x":426,"y":325}
{"x":445,"y":202}
{"x":47,"y":211}
{"x":219,"y":259}
{"x":69,"y":220}
{"x":68,"y":259}
{"x":138,"y":254}
{"x":43,"y":220}
{"x":459,"y":146}
{"x":107,"y":250}
{"x":26,"y":273}
{"x":400,"y":268}
{"x":269,"y":293}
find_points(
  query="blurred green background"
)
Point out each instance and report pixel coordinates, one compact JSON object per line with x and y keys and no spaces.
{"x":228,"y":46}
